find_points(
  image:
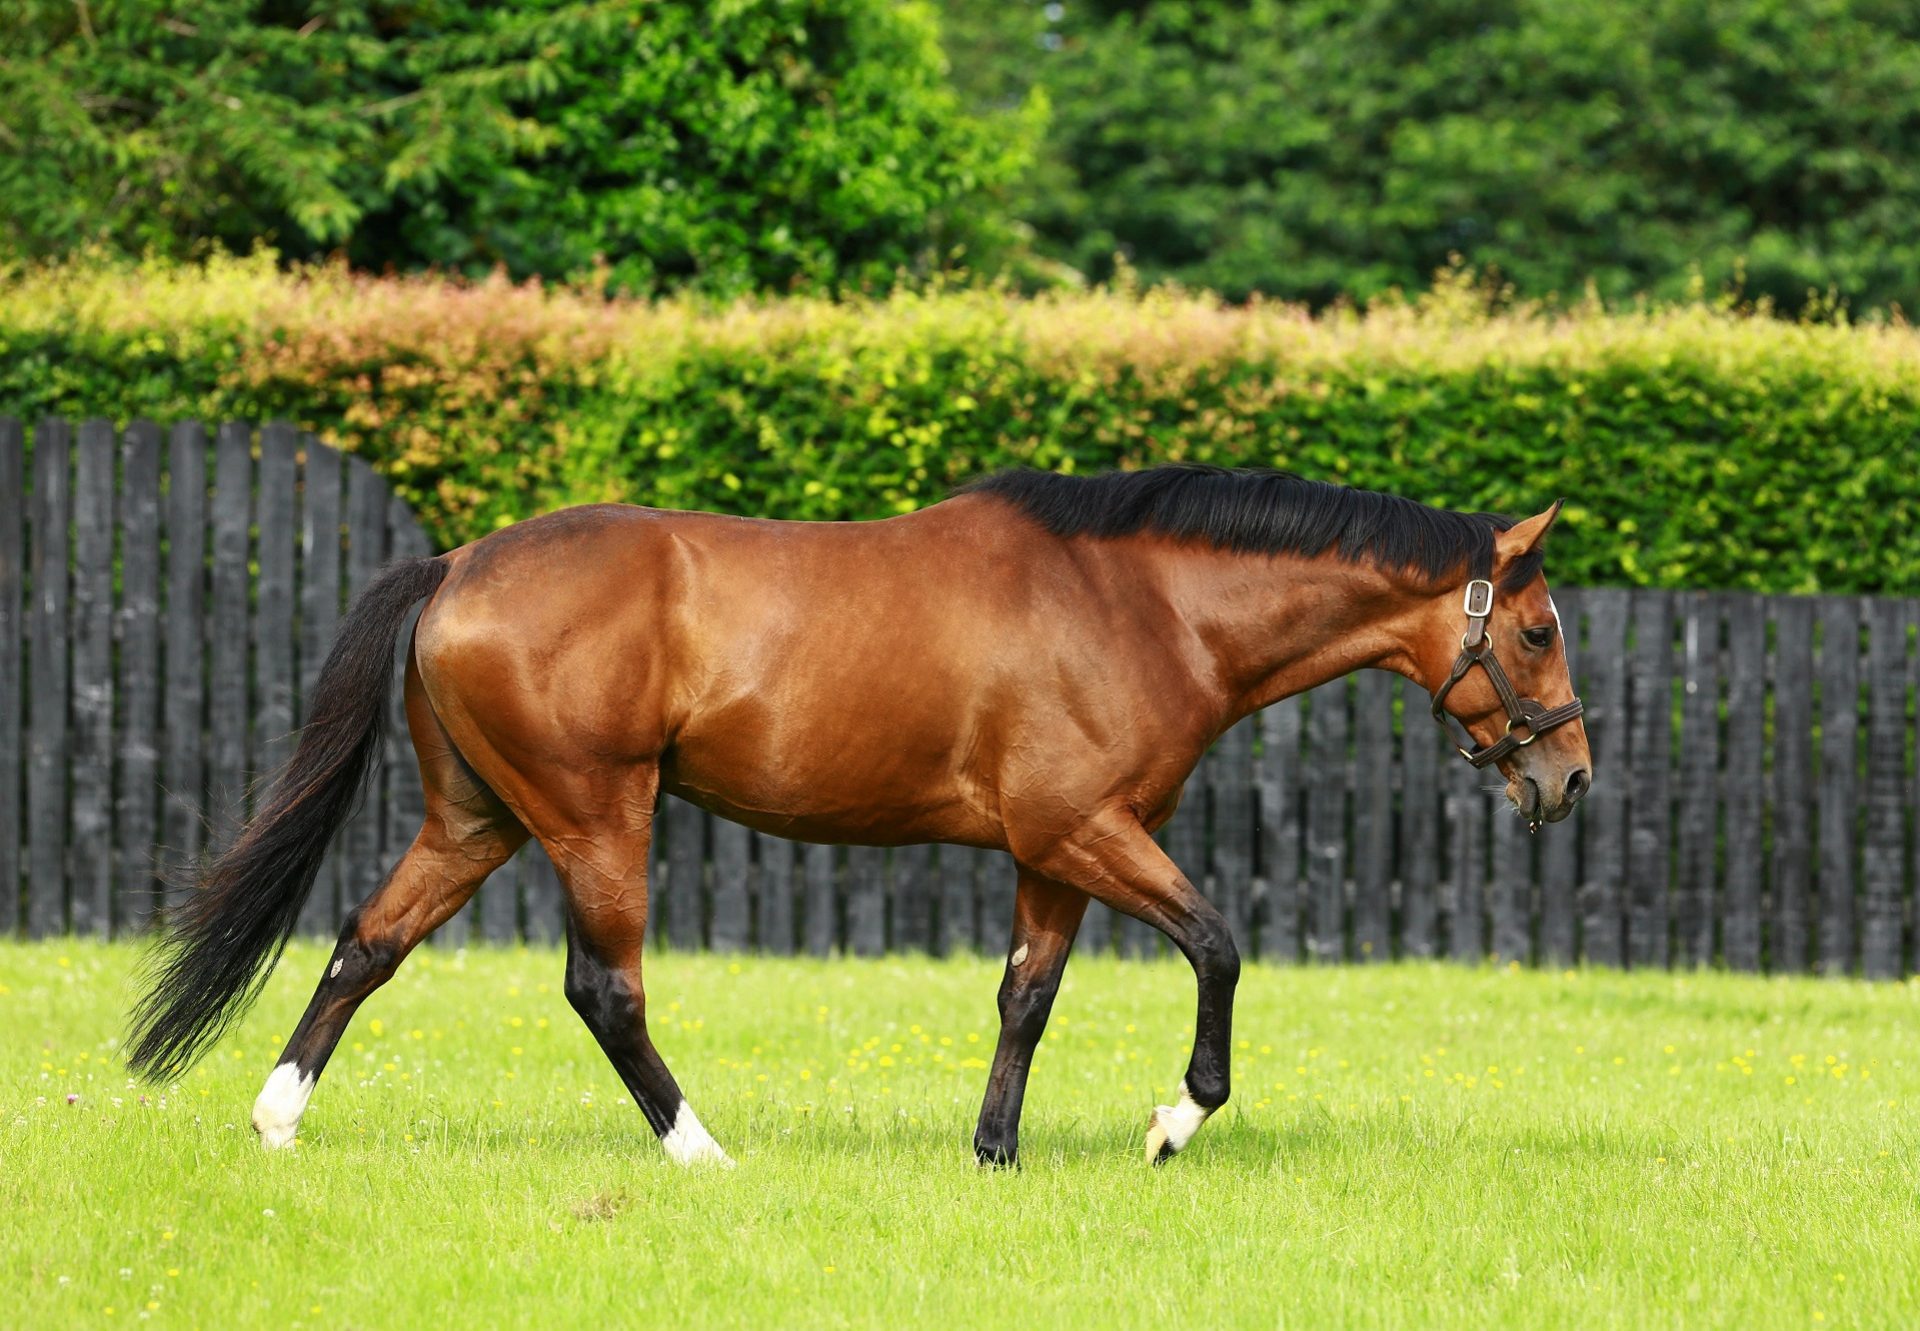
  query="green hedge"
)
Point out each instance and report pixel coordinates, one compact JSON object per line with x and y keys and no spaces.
{"x":1696,"y":446}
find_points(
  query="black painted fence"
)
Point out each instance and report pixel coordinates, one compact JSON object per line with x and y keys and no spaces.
{"x":166,"y":598}
{"x":1755,"y":801}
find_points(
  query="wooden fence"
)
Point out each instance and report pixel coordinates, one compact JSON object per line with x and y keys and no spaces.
{"x":1755,"y":801}
{"x":166,"y":599}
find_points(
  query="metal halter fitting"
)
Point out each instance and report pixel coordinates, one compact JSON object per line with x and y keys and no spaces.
{"x":1527,"y":720}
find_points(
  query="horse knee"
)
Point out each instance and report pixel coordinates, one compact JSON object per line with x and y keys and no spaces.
{"x":1214,"y":955}
{"x":1223,"y":967}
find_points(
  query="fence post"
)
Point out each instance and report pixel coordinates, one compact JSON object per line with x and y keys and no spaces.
{"x":1792,"y":789}
{"x":1839,"y":680}
{"x":47,"y":683}
{"x":731,"y":900}
{"x":959,"y":930}
{"x":136,"y":811}
{"x":775,"y":935}
{"x":1743,"y":780}
{"x":1649,"y":804}
{"x":1373,"y":817}
{"x":183,"y":760}
{"x":227,"y":645}
{"x":1698,"y":832}
{"x":1466,"y":808}
{"x":90,"y":858}
{"x":1604,"y":873}
{"x":12,"y":635}
{"x":1510,"y":856}
{"x":273,"y":608}
{"x":1327,"y":732}
{"x":1420,"y":798}
{"x":866,"y":901}
{"x":1883,"y":853}
{"x":821,"y":929}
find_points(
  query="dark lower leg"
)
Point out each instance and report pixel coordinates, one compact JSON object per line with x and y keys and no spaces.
{"x":1208,"y":946}
{"x":1046,"y":915}
{"x":606,"y":879}
{"x":612,"y":1002}
{"x":432,"y":881}
{"x":1116,"y":861}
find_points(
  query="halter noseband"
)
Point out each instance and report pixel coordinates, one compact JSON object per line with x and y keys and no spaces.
{"x":1524,"y":715}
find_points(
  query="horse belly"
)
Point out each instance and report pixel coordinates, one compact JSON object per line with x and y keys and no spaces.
{"x":815,"y":782}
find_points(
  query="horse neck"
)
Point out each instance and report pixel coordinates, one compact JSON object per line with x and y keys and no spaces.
{"x":1275,"y":625}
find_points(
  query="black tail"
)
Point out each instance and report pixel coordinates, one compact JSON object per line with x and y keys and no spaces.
{"x":220,"y":944}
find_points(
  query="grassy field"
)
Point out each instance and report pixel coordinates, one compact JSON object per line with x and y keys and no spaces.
{"x":1408,"y":1146}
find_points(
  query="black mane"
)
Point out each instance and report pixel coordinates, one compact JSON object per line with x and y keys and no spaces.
{"x":1263,"y":512}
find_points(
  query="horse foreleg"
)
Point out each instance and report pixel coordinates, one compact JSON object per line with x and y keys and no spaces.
{"x":1046,"y":915}
{"x":1114,"y":860}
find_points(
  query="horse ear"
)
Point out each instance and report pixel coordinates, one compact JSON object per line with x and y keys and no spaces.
{"x":1523,"y":538}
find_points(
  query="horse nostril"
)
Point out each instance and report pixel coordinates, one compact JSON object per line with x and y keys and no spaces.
{"x":1577,"y":784}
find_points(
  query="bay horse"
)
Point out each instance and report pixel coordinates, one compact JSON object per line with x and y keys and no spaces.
{"x":1034,"y":665}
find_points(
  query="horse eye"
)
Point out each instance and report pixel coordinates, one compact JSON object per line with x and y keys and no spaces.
{"x":1541,"y":638}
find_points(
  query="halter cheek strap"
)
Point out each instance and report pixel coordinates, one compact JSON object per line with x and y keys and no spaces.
{"x":1527,"y":720}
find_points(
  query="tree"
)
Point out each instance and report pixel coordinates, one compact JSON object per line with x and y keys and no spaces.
{"x":1315,"y":149}
{"x":729,"y":146}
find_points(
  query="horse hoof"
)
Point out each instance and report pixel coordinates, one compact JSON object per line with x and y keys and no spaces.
{"x":996,"y":1157}
{"x":1171,"y":1127}
{"x":1160,"y":1147}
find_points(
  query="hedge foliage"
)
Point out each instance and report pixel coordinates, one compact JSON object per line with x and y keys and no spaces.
{"x":1697,"y":445}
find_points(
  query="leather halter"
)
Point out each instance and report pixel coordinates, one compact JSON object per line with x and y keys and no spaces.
{"x":1527,"y":719}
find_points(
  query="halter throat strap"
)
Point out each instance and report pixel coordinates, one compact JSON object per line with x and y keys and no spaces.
{"x":1527,"y":719}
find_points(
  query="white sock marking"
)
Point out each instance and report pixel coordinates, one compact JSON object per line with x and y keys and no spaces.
{"x":688,"y":1143}
{"x":1182,"y":1120}
{"x":276,"y":1114}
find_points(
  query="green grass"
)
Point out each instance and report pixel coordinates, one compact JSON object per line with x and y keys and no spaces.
{"x":1408,"y":1146}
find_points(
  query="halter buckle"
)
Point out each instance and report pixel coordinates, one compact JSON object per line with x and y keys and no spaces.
{"x":1532,"y":734}
{"x":1478,"y":601}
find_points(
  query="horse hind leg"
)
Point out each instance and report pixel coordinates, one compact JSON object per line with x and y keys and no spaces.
{"x":467,"y":834}
{"x":1046,"y":916}
{"x":604,"y":986}
{"x":597,"y":827}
